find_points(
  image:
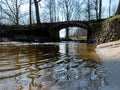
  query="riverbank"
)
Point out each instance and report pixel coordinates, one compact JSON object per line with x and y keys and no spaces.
{"x":110,"y":59}
{"x":107,"y":30}
{"x":109,"y":50}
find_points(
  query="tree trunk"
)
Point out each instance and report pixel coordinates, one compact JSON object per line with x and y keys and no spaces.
{"x":30,"y":18}
{"x":96,"y":9}
{"x":118,"y":9}
{"x":100,"y":9}
{"x":89,"y":14}
{"x":109,"y":8}
{"x":67,"y":18}
{"x":17,"y":13}
{"x":50,"y":10}
{"x":37,"y":11}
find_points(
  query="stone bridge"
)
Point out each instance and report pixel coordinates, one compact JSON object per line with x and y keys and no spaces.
{"x":48,"y":31}
{"x":52,"y":29}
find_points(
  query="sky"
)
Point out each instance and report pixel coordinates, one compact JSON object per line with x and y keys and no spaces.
{"x":105,"y":4}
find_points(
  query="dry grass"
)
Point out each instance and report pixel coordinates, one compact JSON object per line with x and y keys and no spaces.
{"x":113,"y":17}
{"x":80,"y":38}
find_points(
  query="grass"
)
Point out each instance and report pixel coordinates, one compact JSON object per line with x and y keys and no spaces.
{"x":113,"y":17}
{"x":95,"y":25}
{"x":79,"y":38}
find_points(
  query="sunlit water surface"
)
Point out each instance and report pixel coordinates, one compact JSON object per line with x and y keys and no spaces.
{"x":50,"y":66}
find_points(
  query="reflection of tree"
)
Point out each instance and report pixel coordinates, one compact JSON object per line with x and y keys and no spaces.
{"x":67,"y":49}
{"x":17,"y":55}
{"x":27,"y":60}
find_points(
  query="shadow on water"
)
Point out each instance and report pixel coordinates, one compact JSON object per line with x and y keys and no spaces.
{"x":58,"y":66}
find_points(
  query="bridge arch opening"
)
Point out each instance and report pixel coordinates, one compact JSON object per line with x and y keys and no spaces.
{"x":75,"y":33}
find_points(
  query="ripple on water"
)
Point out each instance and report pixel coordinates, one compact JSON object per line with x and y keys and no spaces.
{"x":49,"y":67}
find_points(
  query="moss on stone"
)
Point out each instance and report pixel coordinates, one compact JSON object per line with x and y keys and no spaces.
{"x":108,"y":30}
{"x":95,"y":26}
{"x":113,"y":17}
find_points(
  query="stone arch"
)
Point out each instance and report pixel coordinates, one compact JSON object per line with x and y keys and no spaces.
{"x":61,"y":25}
{"x":56,"y":27}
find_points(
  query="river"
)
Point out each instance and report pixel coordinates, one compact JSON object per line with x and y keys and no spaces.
{"x":50,"y":66}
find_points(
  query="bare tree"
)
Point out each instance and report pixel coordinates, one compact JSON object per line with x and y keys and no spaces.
{"x":71,"y":10}
{"x":30,"y":13}
{"x":30,"y":18}
{"x":118,"y":9}
{"x":109,"y":8}
{"x":37,"y":11}
{"x":67,"y":16}
{"x":100,"y":8}
{"x":67,"y":9}
{"x":51,"y":10}
{"x":0,"y":11}
{"x":17,"y":12}
{"x":96,"y":8}
{"x":89,"y":9}
{"x":11,"y":11}
{"x":78,"y":12}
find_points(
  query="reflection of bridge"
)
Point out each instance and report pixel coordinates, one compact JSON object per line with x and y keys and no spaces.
{"x":52,"y":29}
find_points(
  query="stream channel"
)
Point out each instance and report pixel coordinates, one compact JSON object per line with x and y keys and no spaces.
{"x":51,"y":66}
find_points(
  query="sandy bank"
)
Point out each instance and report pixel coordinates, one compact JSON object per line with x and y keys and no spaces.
{"x":109,"y":50}
{"x":110,"y":58}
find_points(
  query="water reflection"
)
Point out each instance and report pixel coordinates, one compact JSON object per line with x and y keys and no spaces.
{"x":82,"y":50}
{"x":60,"y":66}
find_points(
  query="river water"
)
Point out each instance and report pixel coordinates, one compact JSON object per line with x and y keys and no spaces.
{"x":50,"y":66}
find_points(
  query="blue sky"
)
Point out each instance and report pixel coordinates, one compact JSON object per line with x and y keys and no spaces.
{"x":106,"y":2}
{"x":114,"y":3}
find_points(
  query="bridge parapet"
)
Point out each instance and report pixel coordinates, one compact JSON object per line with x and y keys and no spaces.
{"x":61,"y":25}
